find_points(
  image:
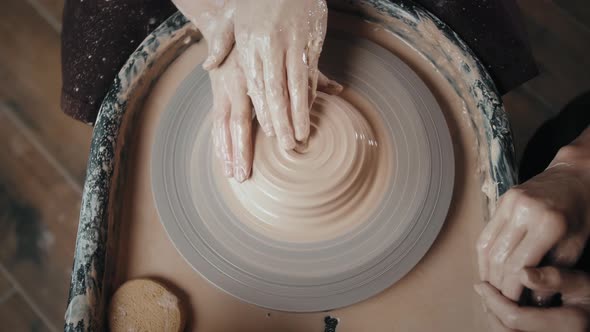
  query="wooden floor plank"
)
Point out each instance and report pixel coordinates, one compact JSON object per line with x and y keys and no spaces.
{"x":50,"y":10}
{"x":579,"y":9}
{"x":561,"y":49}
{"x":30,"y":81}
{"x":6,"y":289}
{"x":17,"y":316}
{"x":38,"y":220}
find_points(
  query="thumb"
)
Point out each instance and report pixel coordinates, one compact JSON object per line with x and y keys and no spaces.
{"x":564,"y":255}
{"x":220,"y":44}
{"x":574,"y":286}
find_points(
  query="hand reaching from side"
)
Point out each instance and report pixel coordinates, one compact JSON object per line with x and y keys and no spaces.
{"x":573,"y":315}
{"x":546,"y":218}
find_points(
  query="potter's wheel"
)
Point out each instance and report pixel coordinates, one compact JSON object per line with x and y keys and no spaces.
{"x":326,"y":226}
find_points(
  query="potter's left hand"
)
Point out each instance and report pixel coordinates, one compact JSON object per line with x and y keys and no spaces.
{"x":232,"y":124}
{"x":546,"y":217}
{"x":572,"y":316}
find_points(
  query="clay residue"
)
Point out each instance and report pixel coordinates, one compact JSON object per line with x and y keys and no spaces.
{"x":451,"y":59}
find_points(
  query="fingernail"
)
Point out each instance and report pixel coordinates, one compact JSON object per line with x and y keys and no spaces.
{"x":301,"y":146}
{"x":335,"y":86}
{"x":208,"y":63}
{"x":268,"y":131}
{"x":482,"y":243}
{"x":302,"y":131}
{"x":287,"y":142}
{"x":534,"y":275}
{"x":240,"y":174}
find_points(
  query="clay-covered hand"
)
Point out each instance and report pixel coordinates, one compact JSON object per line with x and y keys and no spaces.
{"x":279,"y":42}
{"x":215,"y":20}
{"x":572,"y":316}
{"x":547,"y":217}
{"x":232,"y":124}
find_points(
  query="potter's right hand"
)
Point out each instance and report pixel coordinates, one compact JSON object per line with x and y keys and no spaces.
{"x":279,"y":42}
{"x":547,"y":217}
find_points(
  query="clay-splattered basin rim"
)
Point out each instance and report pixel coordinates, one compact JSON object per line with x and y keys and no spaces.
{"x":90,"y":275}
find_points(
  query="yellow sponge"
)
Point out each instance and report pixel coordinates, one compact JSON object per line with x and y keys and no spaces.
{"x":145,"y":305}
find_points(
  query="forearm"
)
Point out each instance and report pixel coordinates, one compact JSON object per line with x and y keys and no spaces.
{"x":573,"y":162}
{"x":200,"y":12}
{"x":576,"y":154}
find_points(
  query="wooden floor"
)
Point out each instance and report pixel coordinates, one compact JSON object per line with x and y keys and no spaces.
{"x":44,"y":153}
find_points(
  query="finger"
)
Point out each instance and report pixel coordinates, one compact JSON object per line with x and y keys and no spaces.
{"x":219,"y":47}
{"x":529,"y":252}
{"x":537,"y":243}
{"x":241,"y":136}
{"x":500,"y":274}
{"x":297,"y":79}
{"x":273,"y":64}
{"x":574,"y":286}
{"x":494,"y":324}
{"x":506,"y":311}
{"x":543,"y":291}
{"x":503,"y":274}
{"x":490,"y":234}
{"x":540,"y":237}
{"x":255,"y":83}
{"x":313,"y":73}
{"x":221,"y":134}
{"x":327,"y":85}
{"x":529,"y":318}
{"x":544,"y":297}
{"x":565,"y":254}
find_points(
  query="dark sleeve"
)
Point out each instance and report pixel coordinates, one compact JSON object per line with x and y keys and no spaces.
{"x":494,"y":30}
{"x":98,"y":36}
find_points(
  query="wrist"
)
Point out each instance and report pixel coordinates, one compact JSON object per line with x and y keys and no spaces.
{"x":573,"y":162}
{"x":575,"y":154}
{"x":203,"y":12}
